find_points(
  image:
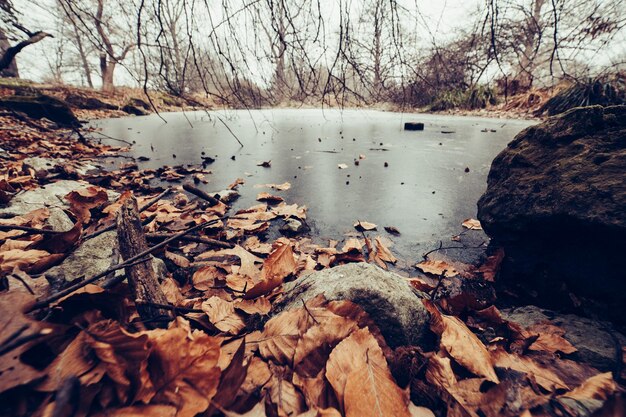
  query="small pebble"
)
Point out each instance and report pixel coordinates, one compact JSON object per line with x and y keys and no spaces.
{"x":347,"y":182}
{"x":386,"y":164}
{"x":356,"y":163}
{"x":173,"y":155}
{"x":466,"y":169}
{"x":232,"y":157}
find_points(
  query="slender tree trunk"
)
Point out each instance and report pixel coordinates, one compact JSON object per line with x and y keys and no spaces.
{"x":107,"y":69}
{"x":83,"y":58}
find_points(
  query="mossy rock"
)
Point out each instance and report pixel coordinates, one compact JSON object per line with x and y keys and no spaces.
{"x":41,"y":106}
{"x":137,"y":102}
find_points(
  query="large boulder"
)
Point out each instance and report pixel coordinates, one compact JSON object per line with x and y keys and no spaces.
{"x":42,"y":106}
{"x":556,"y":202}
{"x":390,"y":301}
{"x":597,"y":342}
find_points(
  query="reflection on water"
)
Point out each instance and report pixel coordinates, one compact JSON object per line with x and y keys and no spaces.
{"x":424,"y":191}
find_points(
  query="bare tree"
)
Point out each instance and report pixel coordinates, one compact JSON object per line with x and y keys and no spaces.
{"x":10,"y":25}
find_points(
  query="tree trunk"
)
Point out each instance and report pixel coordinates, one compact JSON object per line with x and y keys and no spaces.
{"x":107,"y":68}
{"x":142,"y":279}
{"x":83,"y":58}
{"x":11,"y":70}
{"x":8,"y":67}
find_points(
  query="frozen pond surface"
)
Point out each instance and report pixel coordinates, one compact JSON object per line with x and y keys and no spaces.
{"x":424,"y":191}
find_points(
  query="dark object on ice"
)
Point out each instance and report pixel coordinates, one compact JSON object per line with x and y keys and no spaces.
{"x":413,"y":126}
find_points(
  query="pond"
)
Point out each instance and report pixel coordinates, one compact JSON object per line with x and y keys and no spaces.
{"x":424,"y":183}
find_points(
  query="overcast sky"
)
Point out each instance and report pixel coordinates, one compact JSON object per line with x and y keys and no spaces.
{"x":442,"y":17}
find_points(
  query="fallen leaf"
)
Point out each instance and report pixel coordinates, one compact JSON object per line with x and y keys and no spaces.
{"x":392,"y":230}
{"x":280,"y":187}
{"x":279,"y":265}
{"x":435,"y":267}
{"x":269,"y":198}
{"x":364,"y":226}
{"x":222,"y":315}
{"x":461,"y":344}
{"x":83,"y":200}
{"x":382,"y":254}
{"x":472,"y":224}
{"x":247,"y":260}
{"x":183,"y":368}
{"x":265,"y":164}
{"x":351,"y":355}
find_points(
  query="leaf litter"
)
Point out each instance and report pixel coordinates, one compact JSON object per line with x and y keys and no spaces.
{"x":89,"y":351}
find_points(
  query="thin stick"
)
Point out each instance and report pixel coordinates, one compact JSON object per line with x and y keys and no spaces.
{"x":202,"y":194}
{"x":29,"y":229}
{"x":54,"y":297}
{"x":204,"y":240}
{"x":170,"y":307}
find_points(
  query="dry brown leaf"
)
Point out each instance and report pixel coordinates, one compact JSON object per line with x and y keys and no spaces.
{"x":382,"y":254}
{"x":352,"y":244}
{"x":177,"y":259}
{"x":184,"y":368}
{"x":550,"y":339}
{"x":439,"y":371}
{"x":204,"y":278}
{"x":283,"y":393}
{"x":371,"y":391}
{"x":290,"y":211}
{"x":280,"y":336}
{"x":545,"y":377}
{"x":248,"y":260}
{"x":140,"y":411}
{"x":461,"y":344}
{"x":316,"y":343}
{"x":22,"y":259}
{"x":364,"y":226}
{"x":260,"y":305}
{"x":349,"y":356}
{"x":598,"y":387}
{"x":472,"y":224}
{"x":280,"y":187}
{"x":269,"y":198}
{"x":316,"y":390}
{"x":436,"y":268}
{"x":15,"y":372}
{"x":222,"y":315}
{"x":279,"y":265}
{"x":83,"y":200}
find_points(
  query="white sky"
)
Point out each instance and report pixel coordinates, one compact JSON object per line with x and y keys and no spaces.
{"x":442,"y":16}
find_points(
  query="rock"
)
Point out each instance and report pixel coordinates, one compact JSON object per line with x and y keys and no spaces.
{"x":292,"y":227}
{"x":88,"y":103}
{"x":390,"y":301}
{"x":92,"y":257}
{"x":38,"y":163}
{"x":413,"y":126}
{"x":134,"y":110}
{"x":555,"y":201}
{"x":50,"y":195}
{"x":137,"y":102}
{"x":42,"y":106}
{"x":597,"y":342}
{"x":225,"y":196}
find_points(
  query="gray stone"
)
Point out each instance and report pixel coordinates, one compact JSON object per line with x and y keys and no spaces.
{"x":390,"y":301}
{"x":50,"y":195}
{"x":50,"y":164}
{"x":226,"y":196}
{"x":292,"y":226}
{"x":59,"y":221}
{"x":92,"y":257}
{"x":598,"y":344}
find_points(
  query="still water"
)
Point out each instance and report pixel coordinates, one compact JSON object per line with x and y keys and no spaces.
{"x":414,"y":181}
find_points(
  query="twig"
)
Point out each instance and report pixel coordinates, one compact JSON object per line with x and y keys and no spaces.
{"x":175,"y":309}
{"x":204,"y":240}
{"x":202,"y":194}
{"x":307,"y":310}
{"x":54,"y":297}
{"x":19,"y":341}
{"x":29,"y":229}
{"x":425,"y":256}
